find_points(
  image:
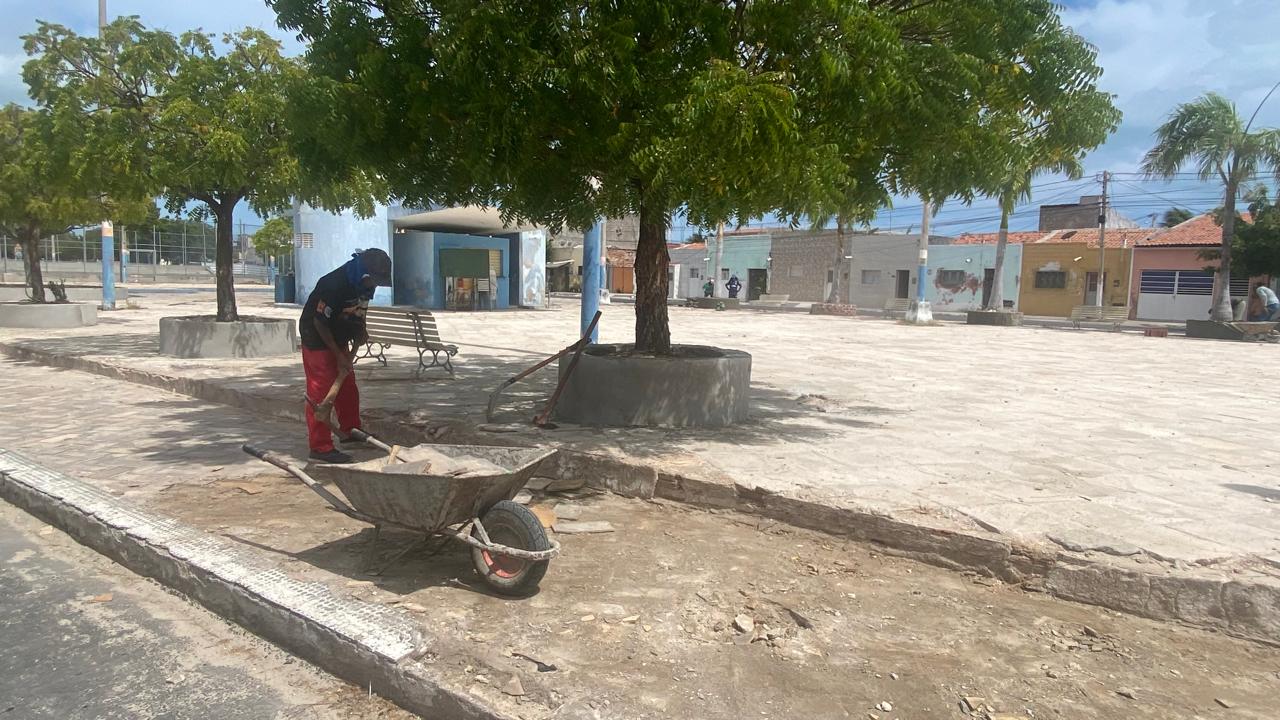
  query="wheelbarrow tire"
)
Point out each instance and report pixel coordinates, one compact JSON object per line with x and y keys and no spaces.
{"x":513,"y":525}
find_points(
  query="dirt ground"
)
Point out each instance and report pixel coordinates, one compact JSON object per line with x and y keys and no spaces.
{"x":646,"y":621}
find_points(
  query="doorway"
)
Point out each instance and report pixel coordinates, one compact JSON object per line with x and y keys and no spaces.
{"x":988,"y":283}
{"x":757,"y":282}
{"x":1091,"y":288}
{"x":903,"y":290}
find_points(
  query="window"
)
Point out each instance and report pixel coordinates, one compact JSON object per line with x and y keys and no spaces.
{"x":304,"y":240}
{"x":870,"y":277}
{"x":1051,"y":279}
{"x":1158,"y":282}
{"x":951,"y":278}
{"x":1195,"y":282}
{"x":694,"y":273}
{"x":1239,"y":286}
{"x":796,"y":271}
{"x":724,"y":274}
{"x":495,"y":264}
{"x":831,"y":276}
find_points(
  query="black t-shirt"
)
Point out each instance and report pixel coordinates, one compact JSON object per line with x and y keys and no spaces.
{"x":338,"y":304}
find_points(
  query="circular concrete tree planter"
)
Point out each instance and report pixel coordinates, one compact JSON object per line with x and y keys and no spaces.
{"x":1003,"y":318}
{"x":47,"y":315}
{"x":697,"y":386}
{"x":202,"y":336}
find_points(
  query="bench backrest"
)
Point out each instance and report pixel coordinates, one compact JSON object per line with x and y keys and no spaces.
{"x":396,"y":326}
{"x":1110,"y":313}
{"x":766,"y":297}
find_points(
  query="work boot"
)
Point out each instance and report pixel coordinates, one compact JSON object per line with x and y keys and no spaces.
{"x":332,"y":457}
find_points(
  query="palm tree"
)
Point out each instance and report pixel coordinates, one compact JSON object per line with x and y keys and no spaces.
{"x":1210,"y":132}
{"x":1017,"y":189}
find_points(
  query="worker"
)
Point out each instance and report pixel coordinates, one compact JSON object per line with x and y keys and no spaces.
{"x":332,"y":328}
{"x":708,"y":289}
{"x":1270,"y":303}
{"x":734,"y":286}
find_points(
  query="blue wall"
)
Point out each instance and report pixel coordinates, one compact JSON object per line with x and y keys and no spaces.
{"x":414,"y":268}
{"x":973,"y":260}
{"x":334,"y":236}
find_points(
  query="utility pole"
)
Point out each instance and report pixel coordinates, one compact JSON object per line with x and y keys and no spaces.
{"x":108,"y":241}
{"x":920,"y":313}
{"x":1102,"y":241}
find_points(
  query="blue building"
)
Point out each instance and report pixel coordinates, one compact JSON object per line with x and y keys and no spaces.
{"x":444,"y":258}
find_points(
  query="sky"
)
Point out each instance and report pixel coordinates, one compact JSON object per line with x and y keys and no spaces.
{"x":1154,"y":54}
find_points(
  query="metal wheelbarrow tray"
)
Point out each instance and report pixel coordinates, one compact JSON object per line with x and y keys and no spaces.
{"x":510,"y":549}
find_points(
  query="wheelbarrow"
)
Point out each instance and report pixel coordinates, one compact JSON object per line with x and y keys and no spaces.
{"x":509,"y":547}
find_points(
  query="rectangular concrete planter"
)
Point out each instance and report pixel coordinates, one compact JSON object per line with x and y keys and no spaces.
{"x":203,"y":337}
{"x":988,"y":317}
{"x":48,"y":315}
{"x":75,"y":293}
{"x":833,"y":309}
{"x":1217,"y":330}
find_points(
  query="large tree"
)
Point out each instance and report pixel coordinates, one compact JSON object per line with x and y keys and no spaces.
{"x":184,"y":117}
{"x":36,"y":200}
{"x":1225,"y":148}
{"x":560,"y":112}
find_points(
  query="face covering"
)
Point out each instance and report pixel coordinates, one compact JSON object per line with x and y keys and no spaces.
{"x":356,"y":273}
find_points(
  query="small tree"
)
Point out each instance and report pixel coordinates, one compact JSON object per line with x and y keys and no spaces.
{"x":35,"y":201}
{"x":1257,"y":245}
{"x":1210,"y":132}
{"x":174,"y":116}
{"x":274,"y":238}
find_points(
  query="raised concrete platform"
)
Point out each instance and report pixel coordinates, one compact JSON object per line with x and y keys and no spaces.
{"x":698,"y":387}
{"x":1216,"y":330}
{"x":47,"y":315}
{"x":997,"y":317}
{"x":204,"y":337}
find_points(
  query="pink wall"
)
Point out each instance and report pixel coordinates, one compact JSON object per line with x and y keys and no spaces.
{"x":1163,"y":258}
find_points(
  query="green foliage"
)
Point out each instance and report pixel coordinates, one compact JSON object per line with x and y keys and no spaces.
{"x":1175,"y":216}
{"x":560,"y":112}
{"x":1257,"y":246}
{"x":1223,"y":146}
{"x":35,"y":198}
{"x":184,"y":117}
{"x":274,"y":238}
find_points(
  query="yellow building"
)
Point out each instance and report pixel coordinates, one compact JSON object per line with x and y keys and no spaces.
{"x":1060,"y":268}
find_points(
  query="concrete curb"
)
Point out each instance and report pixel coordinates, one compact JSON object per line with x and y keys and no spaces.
{"x":364,"y":643}
{"x":1213,"y":600}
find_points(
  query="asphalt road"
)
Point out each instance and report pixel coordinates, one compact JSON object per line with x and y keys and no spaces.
{"x":81,"y":637}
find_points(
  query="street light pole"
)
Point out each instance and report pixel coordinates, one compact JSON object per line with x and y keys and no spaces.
{"x":1102,"y":241}
{"x":108,"y":241}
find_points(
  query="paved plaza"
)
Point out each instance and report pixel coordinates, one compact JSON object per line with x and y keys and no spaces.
{"x":1160,"y":449}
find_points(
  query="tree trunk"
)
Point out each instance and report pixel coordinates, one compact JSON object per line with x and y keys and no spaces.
{"x":834,"y":296}
{"x":653,"y":331}
{"x":715,"y":277}
{"x":31,"y":263}
{"x":223,"y":259}
{"x":996,"y":301}
{"x":1222,"y":290}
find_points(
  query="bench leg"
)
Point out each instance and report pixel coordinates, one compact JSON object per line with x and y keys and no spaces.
{"x":380,"y":355}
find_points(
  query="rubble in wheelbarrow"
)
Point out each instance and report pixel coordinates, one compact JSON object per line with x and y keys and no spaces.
{"x":423,"y":460}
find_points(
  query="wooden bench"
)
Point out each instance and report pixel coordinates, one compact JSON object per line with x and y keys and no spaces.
{"x":897,"y":305}
{"x":411,"y":327}
{"x":1115,"y":314}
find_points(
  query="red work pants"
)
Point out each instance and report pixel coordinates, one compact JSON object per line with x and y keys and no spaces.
{"x":321,"y":368}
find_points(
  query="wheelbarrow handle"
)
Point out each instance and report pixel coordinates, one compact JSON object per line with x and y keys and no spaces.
{"x":283,"y":463}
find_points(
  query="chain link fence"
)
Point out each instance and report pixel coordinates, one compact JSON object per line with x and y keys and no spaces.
{"x":172,"y":251}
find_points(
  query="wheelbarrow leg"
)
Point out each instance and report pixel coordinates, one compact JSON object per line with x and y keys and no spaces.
{"x":371,"y":552}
